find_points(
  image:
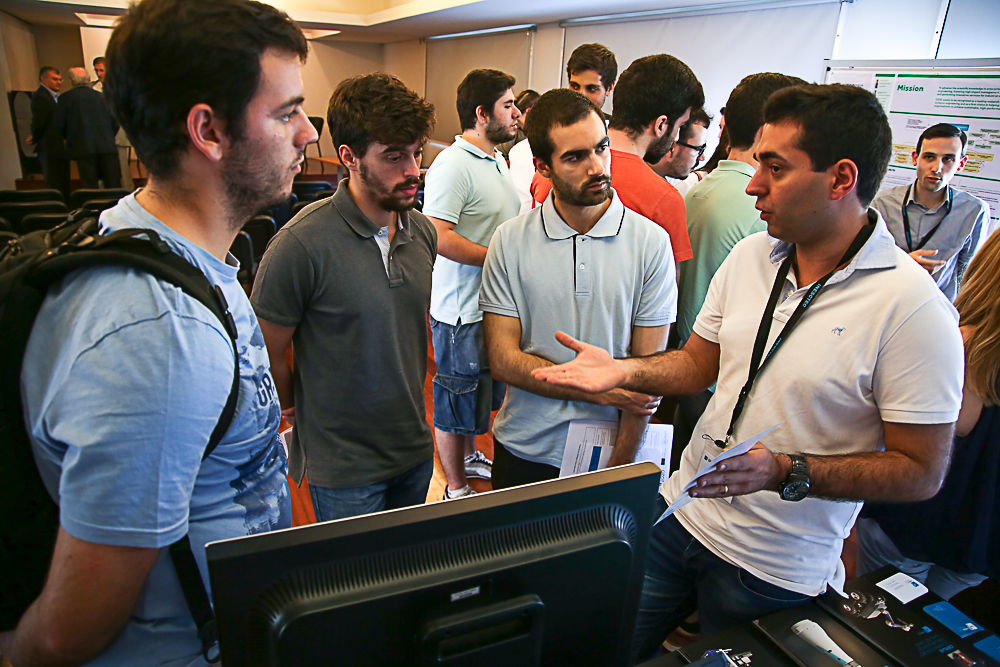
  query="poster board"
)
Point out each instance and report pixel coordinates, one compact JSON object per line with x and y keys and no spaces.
{"x":918,"y":94}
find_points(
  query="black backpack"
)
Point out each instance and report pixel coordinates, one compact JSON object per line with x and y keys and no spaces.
{"x":29,"y":266}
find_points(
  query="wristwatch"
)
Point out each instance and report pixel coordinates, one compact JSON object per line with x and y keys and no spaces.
{"x":796,"y":485}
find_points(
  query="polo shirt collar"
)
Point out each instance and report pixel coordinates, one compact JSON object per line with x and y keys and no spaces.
{"x":737,"y":166}
{"x":609,"y":225}
{"x":467,"y":145}
{"x":933,"y":209}
{"x":878,"y":252}
{"x":358,"y":221}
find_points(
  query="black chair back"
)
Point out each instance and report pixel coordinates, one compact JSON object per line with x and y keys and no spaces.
{"x":306,"y":190}
{"x":5,"y":237}
{"x":242,"y":250}
{"x":78,"y":198}
{"x":261,"y":229}
{"x":37,"y":221}
{"x":98,"y":205}
{"x":5,"y":226}
{"x":299,"y":206}
{"x":30,"y":195}
{"x":324,"y":194}
{"x":282,"y":212}
{"x":14,"y":212}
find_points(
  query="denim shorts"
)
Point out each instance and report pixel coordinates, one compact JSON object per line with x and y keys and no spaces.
{"x":464,"y":391}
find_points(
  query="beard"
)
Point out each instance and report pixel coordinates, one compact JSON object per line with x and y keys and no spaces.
{"x":498,"y":133}
{"x":253,"y":182}
{"x":385,"y":197}
{"x":658,"y":149}
{"x":582,"y":196}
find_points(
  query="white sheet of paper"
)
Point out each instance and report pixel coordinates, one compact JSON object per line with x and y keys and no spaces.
{"x":286,"y":437}
{"x":589,"y":444}
{"x":683,"y":498}
{"x":903,"y":587}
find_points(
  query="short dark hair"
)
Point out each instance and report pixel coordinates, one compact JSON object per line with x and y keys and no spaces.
{"x":698,"y":117}
{"x":526,"y":99}
{"x":45,"y":70}
{"x":377,"y":107}
{"x":480,"y":88}
{"x":654,"y":86}
{"x":837,"y":122}
{"x":165,"y":56}
{"x":98,"y":60}
{"x":559,"y":106}
{"x":595,"y":57}
{"x":942,"y":130}
{"x":744,"y":110}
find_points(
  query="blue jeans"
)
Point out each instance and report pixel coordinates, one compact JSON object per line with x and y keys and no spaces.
{"x":464,"y":391}
{"x":405,"y":489}
{"x":682,"y":576}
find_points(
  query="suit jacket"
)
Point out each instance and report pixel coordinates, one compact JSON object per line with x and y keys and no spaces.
{"x":44,"y":133}
{"x":86,"y":123}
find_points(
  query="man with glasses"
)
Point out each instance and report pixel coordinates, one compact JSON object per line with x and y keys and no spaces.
{"x":677,"y":166}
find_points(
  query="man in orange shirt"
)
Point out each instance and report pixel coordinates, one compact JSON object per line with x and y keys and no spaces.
{"x":653,"y":98}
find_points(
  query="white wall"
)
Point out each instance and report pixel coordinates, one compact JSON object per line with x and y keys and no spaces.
{"x":972,"y":30}
{"x":547,"y":59}
{"x":94,"y":42}
{"x":889,"y":30}
{"x":18,"y":71}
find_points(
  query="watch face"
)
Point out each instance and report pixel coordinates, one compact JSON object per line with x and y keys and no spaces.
{"x":795,"y":490}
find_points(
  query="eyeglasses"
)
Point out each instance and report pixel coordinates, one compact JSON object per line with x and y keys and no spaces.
{"x":699,"y":149}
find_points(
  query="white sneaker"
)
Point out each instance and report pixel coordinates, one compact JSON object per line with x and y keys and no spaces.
{"x":461,"y":493}
{"x":478,"y":466}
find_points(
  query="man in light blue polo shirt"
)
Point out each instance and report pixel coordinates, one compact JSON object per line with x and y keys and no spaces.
{"x":468,"y":192}
{"x":581,"y":262}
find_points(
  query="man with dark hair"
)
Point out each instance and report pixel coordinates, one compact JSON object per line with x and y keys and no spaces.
{"x":654,"y":97}
{"x":861,"y":386}
{"x":546,"y":270}
{"x":678,"y":164}
{"x":468,"y":192}
{"x":592,"y":70}
{"x":524,"y":101}
{"x":89,"y":129}
{"x":720,"y":213}
{"x":98,"y":85}
{"x":125,"y":376}
{"x":45,"y":134}
{"x":938,"y":225}
{"x":356,"y":317}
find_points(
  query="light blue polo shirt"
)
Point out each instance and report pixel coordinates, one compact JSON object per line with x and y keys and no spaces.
{"x":475,"y":191}
{"x":593,"y":286}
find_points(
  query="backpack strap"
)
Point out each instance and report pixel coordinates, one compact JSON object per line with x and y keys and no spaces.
{"x":144,"y":250}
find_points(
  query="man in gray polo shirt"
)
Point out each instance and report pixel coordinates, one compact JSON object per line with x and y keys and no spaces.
{"x":580,"y":262}
{"x":938,"y":225}
{"x":467,"y":193}
{"x":349,"y":281}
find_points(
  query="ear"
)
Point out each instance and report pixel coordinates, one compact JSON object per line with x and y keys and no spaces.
{"x":482,"y":116}
{"x":661,"y":126}
{"x":843,"y":179}
{"x":207,"y":132}
{"x":611,"y":88}
{"x":961,"y":163}
{"x":542,"y":168}
{"x":913,"y":158}
{"x":347,"y":157}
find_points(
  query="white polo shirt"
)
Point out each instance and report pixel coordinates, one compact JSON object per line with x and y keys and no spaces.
{"x":474,"y":191}
{"x":594,"y":286}
{"x":879,"y":343}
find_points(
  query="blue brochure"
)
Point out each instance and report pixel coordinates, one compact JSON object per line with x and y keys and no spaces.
{"x":952,"y":618}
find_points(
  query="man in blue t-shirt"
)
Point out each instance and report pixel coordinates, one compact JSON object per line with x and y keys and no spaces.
{"x":125,"y":376}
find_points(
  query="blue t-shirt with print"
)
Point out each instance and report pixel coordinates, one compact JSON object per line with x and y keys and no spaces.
{"x":123,"y":382}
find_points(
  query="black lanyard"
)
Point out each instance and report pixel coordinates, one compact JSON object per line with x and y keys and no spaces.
{"x":756,"y":365}
{"x":906,"y":220}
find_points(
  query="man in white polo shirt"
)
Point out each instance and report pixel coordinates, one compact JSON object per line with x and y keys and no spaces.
{"x":468,"y":192}
{"x":863,"y":378}
{"x":580,"y":260}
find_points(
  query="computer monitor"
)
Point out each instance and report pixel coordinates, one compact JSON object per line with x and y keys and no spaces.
{"x":543,"y":574}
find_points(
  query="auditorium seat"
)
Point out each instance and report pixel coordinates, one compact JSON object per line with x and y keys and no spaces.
{"x":78,"y":197}
{"x":14,"y":212}
{"x":30,"y":195}
{"x":37,"y":221}
{"x":242,"y":250}
{"x":306,"y":190}
{"x":97,"y":205}
{"x":261,"y":229}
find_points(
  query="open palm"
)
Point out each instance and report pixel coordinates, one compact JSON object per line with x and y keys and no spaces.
{"x":593,"y":370}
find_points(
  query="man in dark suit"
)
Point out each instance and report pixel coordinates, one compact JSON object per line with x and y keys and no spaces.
{"x":89,"y":128}
{"x":44,"y":133}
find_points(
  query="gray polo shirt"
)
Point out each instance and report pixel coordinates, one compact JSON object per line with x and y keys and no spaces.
{"x":360,"y":342}
{"x":956,"y":240}
{"x":594,"y":286}
{"x":475,"y":192}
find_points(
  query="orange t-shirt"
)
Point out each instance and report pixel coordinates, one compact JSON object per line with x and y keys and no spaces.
{"x":645,"y":192}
